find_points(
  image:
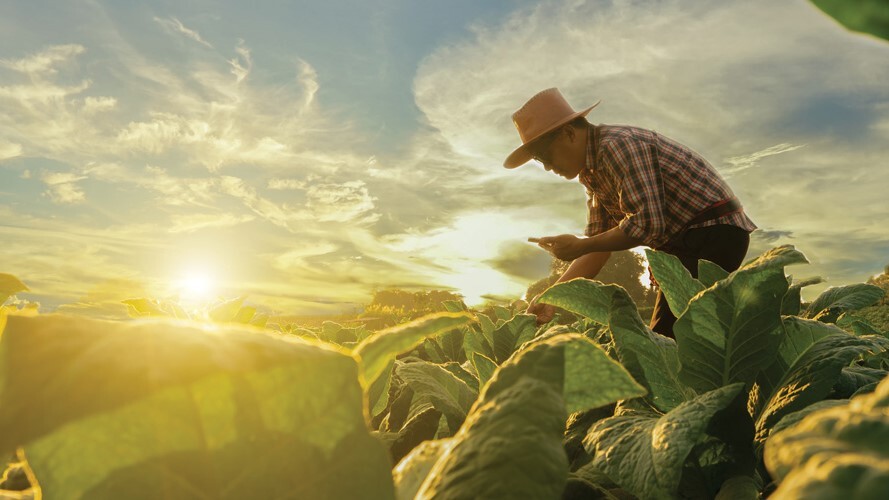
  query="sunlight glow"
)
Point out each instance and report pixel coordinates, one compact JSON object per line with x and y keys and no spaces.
{"x":196,"y":286}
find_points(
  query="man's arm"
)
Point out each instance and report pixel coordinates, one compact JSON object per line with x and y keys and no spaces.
{"x":570,"y":247}
{"x":585,"y":266}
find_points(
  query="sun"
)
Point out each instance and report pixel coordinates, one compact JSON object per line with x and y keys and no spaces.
{"x":196,"y":286}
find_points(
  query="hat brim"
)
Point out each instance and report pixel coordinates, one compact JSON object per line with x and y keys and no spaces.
{"x":522,"y":154}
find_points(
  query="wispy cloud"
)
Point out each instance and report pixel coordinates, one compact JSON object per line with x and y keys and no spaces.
{"x":741,"y":163}
{"x":9,"y":150}
{"x":62,"y":187}
{"x":45,"y":62}
{"x":173,"y":25}
{"x":189,"y":223}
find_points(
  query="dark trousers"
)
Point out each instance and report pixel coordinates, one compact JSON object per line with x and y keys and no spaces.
{"x":721,"y":244}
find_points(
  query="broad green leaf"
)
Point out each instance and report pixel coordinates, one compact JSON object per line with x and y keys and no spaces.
{"x":509,"y":447}
{"x":866,"y":16}
{"x":161,"y":409}
{"x":853,"y":378}
{"x":709,"y":273}
{"x":448,"y":394}
{"x":502,"y":313}
{"x":454,"y":306}
{"x":9,"y":286}
{"x":792,"y":302}
{"x":464,"y":372}
{"x":451,"y":345}
{"x":645,"y":455}
{"x":245,"y":315}
{"x":511,"y":334}
{"x":791,"y":419}
{"x":575,"y":366}
{"x":652,"y":359}
{"x":836,"y":300}
{"x":412,"y":470}
{"x":484,"y":366}
{"x":378,"y":391}
{"x":673,"y":279}
{"x":729,"y":332}
{"x":487,"y":328}
{"x":809,"y":363}
{"x":778,"y":257}
{"x":839,"y":452}
{"x":226,"y":311}
{"x":377,"y":350}
{"x":857,"y":325}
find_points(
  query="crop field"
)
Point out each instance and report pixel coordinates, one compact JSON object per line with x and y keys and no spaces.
{"x":759,"y":395}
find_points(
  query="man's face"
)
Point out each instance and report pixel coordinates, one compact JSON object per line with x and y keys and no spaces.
{"x":553,"y":152}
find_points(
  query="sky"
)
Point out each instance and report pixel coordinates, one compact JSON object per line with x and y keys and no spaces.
{"x":304,"y":154}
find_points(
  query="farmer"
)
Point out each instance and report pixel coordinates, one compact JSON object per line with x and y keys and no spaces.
{"x":642,"y":189}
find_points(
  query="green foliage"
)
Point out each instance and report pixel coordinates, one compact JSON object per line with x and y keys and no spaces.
{"x":867,"y":16}
{"x":516,"y":425}
{"x":651,"y":358}
{"x":837,"y":300}
{"x":646,"y":455}
{"x":379,"y":349}
{"x":154,"y":408}
{"x":835,"y":452}
{"x":731,"y":331}
{"x":468,"y":403}
{"x":810,"y":360}
{"x":447,"y":393}
{"x":792,"y":303}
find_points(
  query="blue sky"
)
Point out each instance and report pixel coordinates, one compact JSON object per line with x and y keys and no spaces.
{"x":307,"y":153}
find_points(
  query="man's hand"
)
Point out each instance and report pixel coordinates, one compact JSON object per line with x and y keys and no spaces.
{"x":544,"y":312}
{"x":564,"y":246}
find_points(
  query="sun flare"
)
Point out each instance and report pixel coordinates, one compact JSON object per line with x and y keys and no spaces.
{"x":196,"y":286}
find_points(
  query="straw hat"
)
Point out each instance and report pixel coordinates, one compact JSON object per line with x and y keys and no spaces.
{"x":544,"y":112}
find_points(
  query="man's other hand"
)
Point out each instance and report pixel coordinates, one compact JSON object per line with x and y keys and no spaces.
{"x":544,"y":312}
{"x":564,"y":246}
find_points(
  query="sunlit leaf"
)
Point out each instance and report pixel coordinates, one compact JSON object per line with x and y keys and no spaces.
{"x":652,"y":359}
{"x":645,"y":455}
{"x":837,"y":300}
{"x":731,"y":330}
{"x":377,"y":350}
{"x":836,"y":452}
{"x":226,"y":311}
{"x":484,"y":366}
{"x":709,"y":273}
{"x":448,"y":394}
{"x":674,"y":280}
{"x":810,"y":361}
{"x":9,"y":286}
{"x":159,"y":409}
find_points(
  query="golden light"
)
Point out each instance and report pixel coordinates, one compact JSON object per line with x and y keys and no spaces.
{"x":196,"y":286}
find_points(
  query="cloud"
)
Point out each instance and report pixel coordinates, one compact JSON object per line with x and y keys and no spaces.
{"x":189,"y":223}
{"x":741,"y":163}
{"x":173,"y":25}
{"x":9,"y":150}
{"x":62,"y":187}
{"x":178,"y":191}
{"x":349,"y":201}
{"x":241,"y":65}
{"x":44,"y":62}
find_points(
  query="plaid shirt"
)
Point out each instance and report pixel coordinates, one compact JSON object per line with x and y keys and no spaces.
{"x":649,"y":186}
